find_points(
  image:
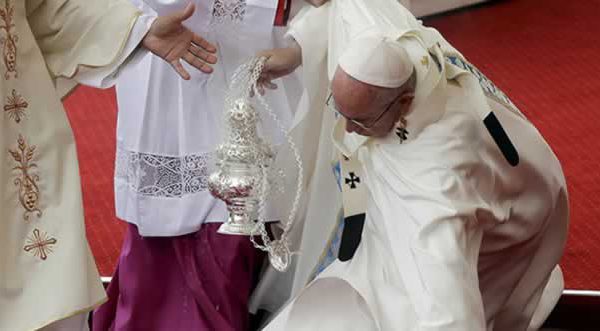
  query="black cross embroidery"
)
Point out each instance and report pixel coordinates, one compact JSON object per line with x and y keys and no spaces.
{"x":353,"y":180}
{"x":402,"y":133}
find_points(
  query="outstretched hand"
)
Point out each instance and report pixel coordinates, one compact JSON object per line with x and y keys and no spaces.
{"x":169,"y":39}
{"x":280,"y":62}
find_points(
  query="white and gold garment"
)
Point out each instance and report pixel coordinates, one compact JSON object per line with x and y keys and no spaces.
{"x":47,"y":273}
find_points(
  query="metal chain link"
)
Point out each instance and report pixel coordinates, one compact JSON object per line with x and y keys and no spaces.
{"x":245,"y":84}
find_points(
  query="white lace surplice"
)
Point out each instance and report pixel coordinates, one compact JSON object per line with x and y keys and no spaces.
{"x":168,"y":128}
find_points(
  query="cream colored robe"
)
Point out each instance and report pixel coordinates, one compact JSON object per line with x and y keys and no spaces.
{"x":321,"y":209}
{"x":47,"y":272}
{"x":455,"y":238}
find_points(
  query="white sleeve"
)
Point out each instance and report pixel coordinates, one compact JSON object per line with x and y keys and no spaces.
{"x":310,"y":29}
{"x":86,"y":40}
{"x":104,"y":77}
{"x":428,"y":215}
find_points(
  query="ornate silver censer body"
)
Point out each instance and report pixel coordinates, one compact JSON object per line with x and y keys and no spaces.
{"x":243,"y":166}
{"x":241,"y":161}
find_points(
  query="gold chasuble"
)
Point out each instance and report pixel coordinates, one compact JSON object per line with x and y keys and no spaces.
{"x":47,"y":272}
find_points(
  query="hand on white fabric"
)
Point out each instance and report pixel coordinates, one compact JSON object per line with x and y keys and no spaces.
{"x":280,"y":62}
{"x":317,"y":3}
{"x":169,"y":39}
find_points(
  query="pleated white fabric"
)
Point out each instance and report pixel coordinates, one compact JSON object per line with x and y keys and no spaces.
{"x":168,"y":128}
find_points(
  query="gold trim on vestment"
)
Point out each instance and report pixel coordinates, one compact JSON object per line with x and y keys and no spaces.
{"x":9,"y":42}
{"x":15,"y":106}
{"x":29,"y":193}
{"x":40,"y":244}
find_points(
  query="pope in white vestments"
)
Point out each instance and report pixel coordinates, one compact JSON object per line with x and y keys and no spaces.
{"x":466,"y":204}
{"x":48,"y":278}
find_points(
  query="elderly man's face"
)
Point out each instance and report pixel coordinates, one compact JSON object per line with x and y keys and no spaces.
{"x":369,"y":110}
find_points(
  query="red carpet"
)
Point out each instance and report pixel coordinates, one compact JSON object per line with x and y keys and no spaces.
{"x":542,"y":53}
{"x":93,"y":115}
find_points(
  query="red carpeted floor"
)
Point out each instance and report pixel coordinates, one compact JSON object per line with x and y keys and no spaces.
{"x":543,"y":53}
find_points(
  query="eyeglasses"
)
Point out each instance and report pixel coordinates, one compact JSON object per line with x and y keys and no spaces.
{"x":331,"y":104}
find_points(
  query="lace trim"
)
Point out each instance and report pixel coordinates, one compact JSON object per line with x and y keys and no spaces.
{"x":163,"y":176}
{"x":228,"y":11}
